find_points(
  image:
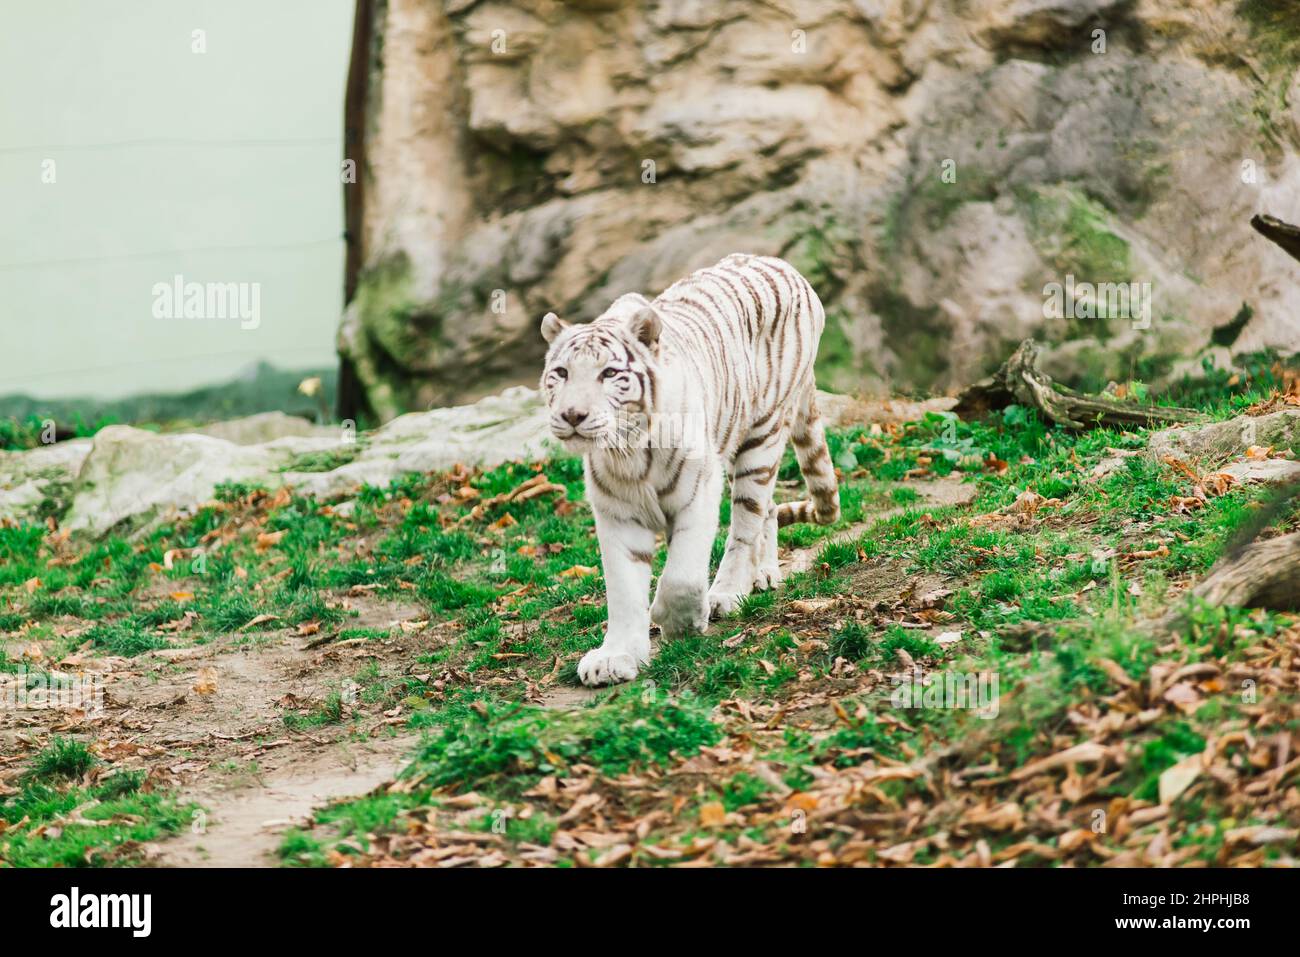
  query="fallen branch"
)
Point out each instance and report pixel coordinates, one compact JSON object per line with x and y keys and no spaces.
{"x":1252,"y":574}
{"x":1021,"y":382}
{"x":1283,"y":234}
{"x":539,"y":484}
{"x":1264,"y":574}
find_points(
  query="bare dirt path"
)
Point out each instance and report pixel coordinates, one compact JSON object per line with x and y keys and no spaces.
{"x":244,"y":825}
{"x":216,"y":723}
{"x":949,"y":490}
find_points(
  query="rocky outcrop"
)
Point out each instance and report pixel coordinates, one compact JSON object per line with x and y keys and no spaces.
{"x":37,"y":482}
{"x":1216,"y":442}
{"x":127,"y":480}
{"x":263,"y":427}
{"x":132,"y":478}
{"x":931,"y":165}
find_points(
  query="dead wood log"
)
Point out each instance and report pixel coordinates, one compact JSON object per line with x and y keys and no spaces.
{"x":1261,"y":574}
{"x":1283,"y":234}
{"x":1264,"y":574}
{"x":1021,"y":382}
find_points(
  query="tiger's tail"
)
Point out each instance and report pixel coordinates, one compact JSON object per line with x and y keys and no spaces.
{"x":809,"y":438}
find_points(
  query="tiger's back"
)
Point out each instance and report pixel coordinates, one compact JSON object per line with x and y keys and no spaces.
{"x":749,"y":327}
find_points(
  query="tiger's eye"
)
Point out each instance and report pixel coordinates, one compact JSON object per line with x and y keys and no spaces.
{"x":562,"y":373}
{"x":606,"y":373}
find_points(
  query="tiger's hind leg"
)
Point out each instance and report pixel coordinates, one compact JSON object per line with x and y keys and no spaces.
{"x":750,"y":557}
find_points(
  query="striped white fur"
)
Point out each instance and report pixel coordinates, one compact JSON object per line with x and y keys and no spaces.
{"x":721,"y":363}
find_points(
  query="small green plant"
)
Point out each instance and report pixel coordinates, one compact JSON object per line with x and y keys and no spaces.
{"x":230,"y":492}
{"x":62,"y":758}
{"x":124,"y":637}
{"x":852,"y":640}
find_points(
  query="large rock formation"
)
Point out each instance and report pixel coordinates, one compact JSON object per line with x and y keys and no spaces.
{"x":930,"y":164}
{"x":127,"y":480}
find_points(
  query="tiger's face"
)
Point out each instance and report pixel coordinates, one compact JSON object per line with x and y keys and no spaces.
{"x":598,"y":380}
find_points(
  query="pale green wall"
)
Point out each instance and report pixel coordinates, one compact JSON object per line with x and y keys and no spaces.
{"x":78,"y":73}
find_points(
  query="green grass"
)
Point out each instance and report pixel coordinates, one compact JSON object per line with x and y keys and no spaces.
{"x":513,"y":607}
{"x":62,"y":758}
{"x":41,"y":829}
{"x":508,"y":748}
{"x":123,"y":638}
{"x":330,"y":711}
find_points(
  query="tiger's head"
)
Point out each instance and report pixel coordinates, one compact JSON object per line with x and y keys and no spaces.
{"x":599,"y":377}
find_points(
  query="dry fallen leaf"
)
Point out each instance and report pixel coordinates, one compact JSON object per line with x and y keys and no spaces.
{"x":1177,"y":779}
{"x":207,"y":682}
{"x":267,"y":540}
{"x":713,"y":814}
{"x":1089,"y":752}
{"x":1261,"y":834}
{"x":1073,"y":840}
{"x":1184,"y":697}
{"x":1143,"y":554}
{"x":812,"y":606}
{"x":1218,"y":484}
{"x":1006,"y":816}
{"x":801,"y":801}
{"x":615,"y":855}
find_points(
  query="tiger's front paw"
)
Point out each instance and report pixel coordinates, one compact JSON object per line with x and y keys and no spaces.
{"x":723,"y":603}
{"x":607,"y":666}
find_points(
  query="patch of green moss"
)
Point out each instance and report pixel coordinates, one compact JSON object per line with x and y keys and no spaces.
{"x":56,"y":501}
{"x":385,"y":301}
{"x":1275,"y":30}
{"x":1074,"y":234}
{"x":1275,"y":45}
{"x":838,"y":368}
{"x":937,"y":200}
{"x":921,"y":333}
{"x":326,"y":460}
{"x":931,"y":201}
{"x":813,"y":252}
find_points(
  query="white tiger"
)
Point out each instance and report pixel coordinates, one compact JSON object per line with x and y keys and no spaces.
{"x":728,"y":351}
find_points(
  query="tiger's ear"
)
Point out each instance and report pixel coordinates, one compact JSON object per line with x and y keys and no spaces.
{"x":552,"y":326}
{"x":645,"y":325}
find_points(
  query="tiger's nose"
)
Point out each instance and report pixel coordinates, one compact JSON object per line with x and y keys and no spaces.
{"x":573,"y":417}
